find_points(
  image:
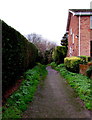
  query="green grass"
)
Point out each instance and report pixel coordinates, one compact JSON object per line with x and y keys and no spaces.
{"x":19,"y":100}
{"x":81,"y":84}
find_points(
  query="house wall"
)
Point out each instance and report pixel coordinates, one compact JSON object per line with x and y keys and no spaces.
{"x":85,"y":35}
{"x":72,"y":38}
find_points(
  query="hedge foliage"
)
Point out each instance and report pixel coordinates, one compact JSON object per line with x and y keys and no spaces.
{"x":17,"y":55}
{"x":85,"y":59}
{"x":72,"y":63}
{"x":59,"y":54}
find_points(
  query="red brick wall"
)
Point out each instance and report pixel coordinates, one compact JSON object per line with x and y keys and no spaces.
{"x":74,"y":46}
{"x":83,"y":69}
{"x":85,"y":35}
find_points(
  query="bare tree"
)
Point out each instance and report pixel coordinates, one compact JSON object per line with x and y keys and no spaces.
{"x":34,"y":38}
{"x":41,"y":43}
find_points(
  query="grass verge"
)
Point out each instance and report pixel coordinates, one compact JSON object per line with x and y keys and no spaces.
{"x":81,"y":84}
{"x":19,"y":100}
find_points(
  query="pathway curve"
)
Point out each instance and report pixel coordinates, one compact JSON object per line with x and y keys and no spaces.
{"x":55,"y":99}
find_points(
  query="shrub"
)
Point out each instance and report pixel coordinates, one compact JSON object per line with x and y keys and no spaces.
{"x":17,"y":55}
{"x":48,"y":56}
{"x":59,"y":54}
{"x":85,"y":59}
{"x":72,"y":63}
{"x":89,"y":71}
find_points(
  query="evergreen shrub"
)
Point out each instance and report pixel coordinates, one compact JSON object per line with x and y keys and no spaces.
{"x":85,"y":59}
{"x":59,"y":54}
{"x":17,"y":55}
{"x":72,"y":63}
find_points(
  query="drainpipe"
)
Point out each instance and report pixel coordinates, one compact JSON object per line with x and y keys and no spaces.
{"x":79,"y":34}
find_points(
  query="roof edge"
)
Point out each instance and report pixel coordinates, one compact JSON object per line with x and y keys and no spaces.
{"x":77,"y":12}
{"x":81,"y":11}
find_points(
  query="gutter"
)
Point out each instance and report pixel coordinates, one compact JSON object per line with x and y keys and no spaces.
{"x":83,"y":13}
{"x":80,"y":13}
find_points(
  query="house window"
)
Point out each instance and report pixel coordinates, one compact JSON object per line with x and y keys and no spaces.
{"x":73,"y":38}
{"x":90,"y":22}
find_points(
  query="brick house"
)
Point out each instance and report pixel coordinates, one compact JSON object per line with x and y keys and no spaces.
{"x":79,"y":28}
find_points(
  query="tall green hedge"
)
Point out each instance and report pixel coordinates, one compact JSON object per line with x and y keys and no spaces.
{"x":17,"y":55}
{"x":59,"y":54}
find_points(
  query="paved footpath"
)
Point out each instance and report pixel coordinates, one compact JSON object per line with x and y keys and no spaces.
{"x":55,"y":99}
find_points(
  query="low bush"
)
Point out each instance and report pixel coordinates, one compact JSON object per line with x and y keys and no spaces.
{"x":17,"y":55}
{"x":72,"y":63}
{"x":18,"y":101}
{"x":81,"y":84}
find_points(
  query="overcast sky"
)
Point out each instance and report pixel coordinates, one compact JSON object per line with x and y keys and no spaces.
{"x":45,"y":17}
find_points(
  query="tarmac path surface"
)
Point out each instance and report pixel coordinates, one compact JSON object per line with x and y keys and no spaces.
{"x":55,"y":99}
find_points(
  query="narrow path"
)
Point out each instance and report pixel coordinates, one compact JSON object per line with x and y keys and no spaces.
{"x":55,"y":99}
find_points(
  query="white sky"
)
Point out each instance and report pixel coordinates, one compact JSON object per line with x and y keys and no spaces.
{"x":45,"y":17}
